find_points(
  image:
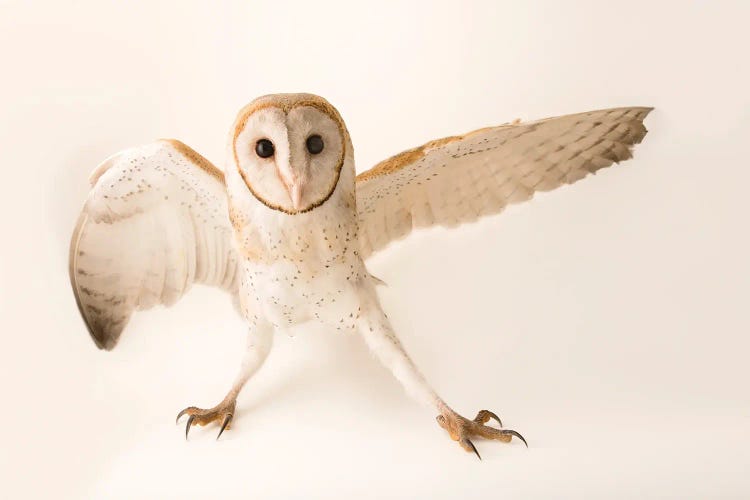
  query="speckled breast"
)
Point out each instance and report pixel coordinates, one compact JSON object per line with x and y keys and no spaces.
{"x":287,"y":293}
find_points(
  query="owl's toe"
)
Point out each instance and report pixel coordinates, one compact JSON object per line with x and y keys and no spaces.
{"x":464,"y":430}
{"x":223,"y":412}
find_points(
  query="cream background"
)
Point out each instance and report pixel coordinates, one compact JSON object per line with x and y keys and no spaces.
{"x":607,"y":321}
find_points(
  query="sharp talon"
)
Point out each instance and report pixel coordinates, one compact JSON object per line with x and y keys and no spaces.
{"x":187,"y":427}
{"x":492,"y":415}
{"x":514,"y":433}
{"x":177,"y":420}
{"x":227,"y":419}
{"x":461,"y":429}
{"x":474,"y":448}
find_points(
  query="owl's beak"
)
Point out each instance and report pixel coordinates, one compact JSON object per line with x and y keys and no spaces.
{"x":295,"y":193}
{"x":294,"y":183}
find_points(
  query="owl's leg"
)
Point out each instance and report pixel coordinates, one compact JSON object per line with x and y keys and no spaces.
{"x":382,"y":341}
{"x":259,"y":343}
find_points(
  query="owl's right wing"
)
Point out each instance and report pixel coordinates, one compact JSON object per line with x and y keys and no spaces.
{"x":459,"y":179}
{"x":154,"y":223}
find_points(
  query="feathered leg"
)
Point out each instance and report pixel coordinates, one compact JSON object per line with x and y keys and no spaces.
{"x":382,"y":341}
{"x":259,"y":341}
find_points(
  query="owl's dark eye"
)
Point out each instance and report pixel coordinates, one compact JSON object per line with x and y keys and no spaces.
{"x":315,"y":144}
{"x":264,"y":148}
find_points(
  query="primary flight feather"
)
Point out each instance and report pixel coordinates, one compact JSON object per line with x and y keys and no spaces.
{"x":288,"y":226}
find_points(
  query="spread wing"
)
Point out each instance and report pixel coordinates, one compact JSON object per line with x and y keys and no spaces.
{"x":459,"y":179}
{"x":154,"y":223}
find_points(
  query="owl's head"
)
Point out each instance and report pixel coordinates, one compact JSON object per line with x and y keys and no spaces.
{"x":289,"y":150}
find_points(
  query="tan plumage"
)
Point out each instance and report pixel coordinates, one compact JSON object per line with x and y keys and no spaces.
{"x":459,"y":179}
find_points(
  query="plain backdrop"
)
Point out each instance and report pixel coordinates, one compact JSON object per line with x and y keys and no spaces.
{"x":606,"y":321}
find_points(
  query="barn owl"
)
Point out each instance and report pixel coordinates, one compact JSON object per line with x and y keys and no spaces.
{"x":288,"y":226}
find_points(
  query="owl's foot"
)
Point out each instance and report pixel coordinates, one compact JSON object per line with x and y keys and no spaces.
{"x":223,"y":412}
{"x":462,"y":429}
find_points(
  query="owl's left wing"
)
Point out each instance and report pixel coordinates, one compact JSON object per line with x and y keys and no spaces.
{"x":155,"y":223}
{"x":458,"y":179}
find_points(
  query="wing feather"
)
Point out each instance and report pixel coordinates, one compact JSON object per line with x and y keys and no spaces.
{"x":155,"y":223}
{"x":459,"y":179}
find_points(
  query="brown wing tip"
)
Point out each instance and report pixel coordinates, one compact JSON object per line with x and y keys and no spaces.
{"x":97,"y":341}
{"x":104,"y":334}
{"x":105,"y":338}
{"x":645,"y":111}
